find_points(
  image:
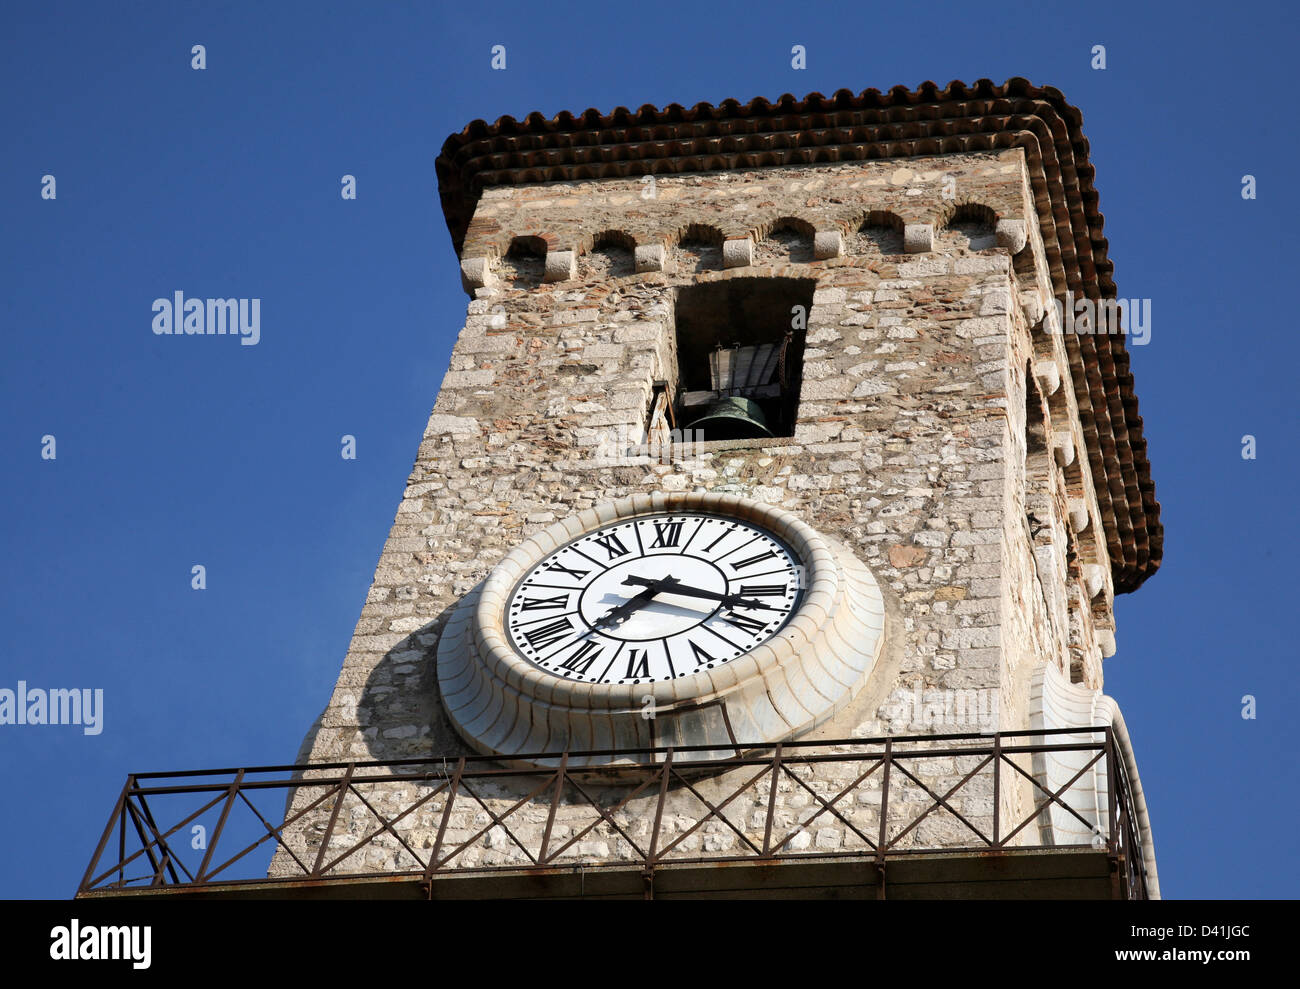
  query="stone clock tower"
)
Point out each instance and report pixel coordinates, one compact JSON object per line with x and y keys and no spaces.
{"x":764,"y":429}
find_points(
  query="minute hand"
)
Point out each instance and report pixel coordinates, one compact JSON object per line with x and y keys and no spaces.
{"x":670,"y":586}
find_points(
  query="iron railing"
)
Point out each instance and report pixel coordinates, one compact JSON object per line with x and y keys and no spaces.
{"x":869,"y":795}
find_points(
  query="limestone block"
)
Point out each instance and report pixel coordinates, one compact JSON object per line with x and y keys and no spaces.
{"x":1048,"y":373}
{"x":1106,"y":640}
{"x":918,"y":238}
{"x":1011,"y":235}
{"x":996,"y":301}
{"x":737,"y":252}
{"x":1063,"y":448}
{"x":827,"y":244}
{"x":467,"y":379}
{"x":561,"y":266}
{"x":1094,"y":579}
{"x":928,"y":266}
{"x":1031,"y":304}
{"x":460,"y":425}
{"x":649,"y":257}
{"x":1079,"y":516}
{"x":474,"y":274}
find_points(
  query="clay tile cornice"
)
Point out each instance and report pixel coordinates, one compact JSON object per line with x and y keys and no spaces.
{"x":871,"y":125}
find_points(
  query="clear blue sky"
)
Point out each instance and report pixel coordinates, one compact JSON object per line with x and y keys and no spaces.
{"x":226,"y":182}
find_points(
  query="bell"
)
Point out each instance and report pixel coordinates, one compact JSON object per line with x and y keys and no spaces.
{"x":731,"y":419}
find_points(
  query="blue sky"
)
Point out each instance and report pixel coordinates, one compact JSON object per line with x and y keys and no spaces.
{"x":226,"y":182}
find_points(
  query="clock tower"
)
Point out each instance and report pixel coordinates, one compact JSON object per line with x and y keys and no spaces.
{"x":770,"y":513}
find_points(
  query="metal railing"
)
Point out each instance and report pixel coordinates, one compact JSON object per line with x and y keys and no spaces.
{"x":872,"y":797}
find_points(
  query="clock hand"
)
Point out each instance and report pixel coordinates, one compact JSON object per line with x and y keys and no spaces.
{"x":616,"y":616}
{"x":670,"y":586}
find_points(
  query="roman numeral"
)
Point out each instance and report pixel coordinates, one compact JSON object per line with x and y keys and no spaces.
{"x":582,"y":658}
{"x":763,"y":590}
{"x":543,"y":635}
{"x":753,"y":559}
{"x":559,"y":567}
{"x":638,"y":664}
{"x":611,"y":544}
{"x":544,"y":604}
{"x":709,"y":548}
{"x":701,"y":657}
{"x":667,"y":534}
{"x":744,"y":622}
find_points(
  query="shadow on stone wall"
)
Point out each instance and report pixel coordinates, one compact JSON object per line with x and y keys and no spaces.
{"x":397,"y":714}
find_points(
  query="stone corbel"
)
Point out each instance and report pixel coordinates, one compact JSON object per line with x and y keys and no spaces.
{"x":737,"y":252}
{"x":1094,"y":579}
{"x":649,"y":257}
{"x":474,"y":274}
{"x":827,"y":244}
{"x":1011,"y":235}
{"x":1048,"y":373}
{"x":1106,"y":640}
{"x":1079,"y":516}
{"x":1063,"y":448}
{"x":1031,"y":304}
{"x":561,"y":266}
{"x":918,"y":238}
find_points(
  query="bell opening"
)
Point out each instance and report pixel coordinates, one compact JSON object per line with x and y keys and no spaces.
{"x":739,"y":359}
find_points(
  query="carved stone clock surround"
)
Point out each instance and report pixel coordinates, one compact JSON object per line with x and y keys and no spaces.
{"x":503,"y":704}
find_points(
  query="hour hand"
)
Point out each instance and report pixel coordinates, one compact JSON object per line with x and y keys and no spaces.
{"x":616,"y":616}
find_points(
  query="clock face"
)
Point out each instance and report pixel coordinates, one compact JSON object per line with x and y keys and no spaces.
{"x":652,"y":598}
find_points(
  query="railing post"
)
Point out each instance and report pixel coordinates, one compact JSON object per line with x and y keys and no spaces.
{"x":771,"y":802}
{"x":997,"y":789}
{"x":119,"y":810}
{"x":884,"y":802}
{"x":1112,"y":795}
{"x":121,"y":838}
{"x":883,"y":835}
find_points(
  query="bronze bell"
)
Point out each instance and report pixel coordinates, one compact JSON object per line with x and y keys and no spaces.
{"x":731,"y":419}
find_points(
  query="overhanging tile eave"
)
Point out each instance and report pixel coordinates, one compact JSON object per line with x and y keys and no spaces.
{"x":871,"y":126}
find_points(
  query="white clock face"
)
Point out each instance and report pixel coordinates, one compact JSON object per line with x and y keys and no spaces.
{"x":654,"y":598}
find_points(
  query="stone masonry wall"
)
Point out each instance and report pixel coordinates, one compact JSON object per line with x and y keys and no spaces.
{"x":926,"y":365}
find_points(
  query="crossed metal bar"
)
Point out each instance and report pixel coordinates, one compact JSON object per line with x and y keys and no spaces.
{"x":567,"y":778}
